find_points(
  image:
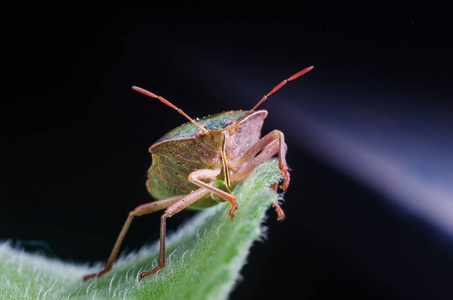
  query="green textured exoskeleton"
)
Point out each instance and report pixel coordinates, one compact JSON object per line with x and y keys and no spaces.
{"x":197,"y":164}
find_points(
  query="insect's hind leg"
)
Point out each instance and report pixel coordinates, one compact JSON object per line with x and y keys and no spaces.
{"x":139,"y":211}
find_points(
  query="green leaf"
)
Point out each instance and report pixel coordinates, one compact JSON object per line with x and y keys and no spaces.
{"x":204,"y":257}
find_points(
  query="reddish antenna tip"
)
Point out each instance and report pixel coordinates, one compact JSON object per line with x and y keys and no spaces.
{"x":143,"y":91}
{"x":300,"y":73}
{"x":165,"y":101}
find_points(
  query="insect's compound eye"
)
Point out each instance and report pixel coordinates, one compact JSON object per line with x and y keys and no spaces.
{"x":200,"y":133}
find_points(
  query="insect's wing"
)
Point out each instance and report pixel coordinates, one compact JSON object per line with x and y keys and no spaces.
{"x":247,"y":134}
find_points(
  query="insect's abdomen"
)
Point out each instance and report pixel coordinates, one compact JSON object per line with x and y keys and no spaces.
{"x":173,"y":161}
{"x":166,"y":179}
{"x":171,"y":183}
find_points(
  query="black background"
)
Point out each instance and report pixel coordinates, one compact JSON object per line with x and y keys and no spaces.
{"x":75,"y":137}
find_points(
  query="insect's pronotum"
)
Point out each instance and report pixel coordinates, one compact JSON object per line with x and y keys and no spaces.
{"x":197,"y":165}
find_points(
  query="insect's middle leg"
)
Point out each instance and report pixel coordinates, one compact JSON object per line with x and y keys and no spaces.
{"x":195,"y":177}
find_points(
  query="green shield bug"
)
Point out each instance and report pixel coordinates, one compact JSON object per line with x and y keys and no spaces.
{"x":189,"y":162}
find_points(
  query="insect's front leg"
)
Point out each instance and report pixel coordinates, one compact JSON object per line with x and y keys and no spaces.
{"x":183,"y":203}
{"x":269,"y":145}
{"x":195,"y":177}
{"x":139,"y":211}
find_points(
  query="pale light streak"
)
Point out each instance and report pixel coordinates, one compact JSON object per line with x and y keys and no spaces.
{"x":388,"y":176}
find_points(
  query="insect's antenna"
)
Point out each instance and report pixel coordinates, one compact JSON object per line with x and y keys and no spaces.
{"x":298,"y":74}
{"x":165,"y":101}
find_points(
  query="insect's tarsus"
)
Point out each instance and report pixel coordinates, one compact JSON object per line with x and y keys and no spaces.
{"x":165,"y":101}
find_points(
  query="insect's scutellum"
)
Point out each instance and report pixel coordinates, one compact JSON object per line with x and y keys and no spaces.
{"x":185,"y":169}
